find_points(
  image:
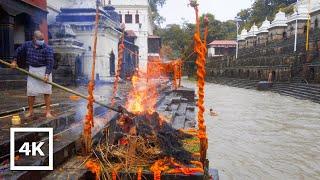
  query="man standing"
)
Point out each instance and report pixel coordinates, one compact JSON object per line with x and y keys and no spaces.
{"x":39,"y":58}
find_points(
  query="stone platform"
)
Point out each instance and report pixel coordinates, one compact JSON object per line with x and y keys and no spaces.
{"x":67,"y":126}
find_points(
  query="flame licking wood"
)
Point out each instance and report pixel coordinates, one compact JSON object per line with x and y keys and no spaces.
{"x":143,"y":95}
{"x":94,"y":167}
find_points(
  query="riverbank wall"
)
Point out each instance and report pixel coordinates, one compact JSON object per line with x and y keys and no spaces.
{"x":278,"y":57}
{"x":294,"y":89}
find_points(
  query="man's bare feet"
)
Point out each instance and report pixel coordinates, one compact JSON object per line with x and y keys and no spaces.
{"x":28,"y":114}
{"x":49,"y":115}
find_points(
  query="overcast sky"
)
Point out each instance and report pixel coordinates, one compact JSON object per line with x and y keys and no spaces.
{"x":175,"y":10}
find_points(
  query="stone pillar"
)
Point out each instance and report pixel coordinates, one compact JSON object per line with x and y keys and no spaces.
{"x":6,"y":37}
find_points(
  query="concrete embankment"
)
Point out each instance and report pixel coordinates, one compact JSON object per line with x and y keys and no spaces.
{"x":295,"y":89}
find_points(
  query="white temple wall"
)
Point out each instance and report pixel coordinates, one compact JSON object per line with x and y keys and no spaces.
{"x":142,"y":29}
{"x":106,"y":43}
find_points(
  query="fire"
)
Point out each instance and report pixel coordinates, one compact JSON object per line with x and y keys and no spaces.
{"x":143,"y":96}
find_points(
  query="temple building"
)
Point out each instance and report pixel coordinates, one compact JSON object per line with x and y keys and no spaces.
{"x":298,"y":19}
{"x":18,"y":20}
{"x":315,"y":14}
{"x":79,"y":18}
{"x":137,"y":17}
{"x":242,"y":38}
{"x":278,"y":27}
{"x":262,"y":34}
{"x":252,"y":36}
{"x":82,"y":21}
{"x":222,"y":48}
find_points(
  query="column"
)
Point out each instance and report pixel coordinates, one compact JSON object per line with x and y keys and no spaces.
{"x":6,"y":37}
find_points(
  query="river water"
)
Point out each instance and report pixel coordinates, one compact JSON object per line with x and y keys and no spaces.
{"x":261,"y":135}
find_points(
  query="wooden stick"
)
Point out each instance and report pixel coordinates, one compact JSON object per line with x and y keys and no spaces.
{"x":119,"y":110}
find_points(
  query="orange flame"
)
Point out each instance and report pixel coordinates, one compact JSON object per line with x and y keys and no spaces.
{"x":143,"y":96}
{"x":94,"y":167}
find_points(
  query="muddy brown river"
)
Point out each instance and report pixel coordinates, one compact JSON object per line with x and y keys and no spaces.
{"x":262,"y":135}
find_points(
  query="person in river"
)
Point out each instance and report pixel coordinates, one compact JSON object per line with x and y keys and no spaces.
{"x":270,"y":77}
{"x":213,"y":113}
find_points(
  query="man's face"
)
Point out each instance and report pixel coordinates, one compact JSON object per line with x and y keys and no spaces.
{"x":38,"y":38}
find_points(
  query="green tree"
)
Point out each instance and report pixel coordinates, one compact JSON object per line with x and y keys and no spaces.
{"x":180,"y":38}
{"x":261,"y":9}
{"x":154,"y":5}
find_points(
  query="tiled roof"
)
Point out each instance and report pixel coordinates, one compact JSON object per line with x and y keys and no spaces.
{"x":223,"y":43}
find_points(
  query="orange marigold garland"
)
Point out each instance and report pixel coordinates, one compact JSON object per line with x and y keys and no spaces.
{"x":119,"y":67}
{"x":201,"y":49}
{"x":158,"y":167}
{"x":89,"y":123}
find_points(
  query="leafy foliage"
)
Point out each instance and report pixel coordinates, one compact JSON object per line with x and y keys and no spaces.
{"x":262,"y":9}
{"x":178,"y":39}
{"x":154,"y":5}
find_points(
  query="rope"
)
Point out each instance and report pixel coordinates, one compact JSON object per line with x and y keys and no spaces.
{"x":89,"y":122}
{"x":118,"y":73}
{"x":201,"y":50}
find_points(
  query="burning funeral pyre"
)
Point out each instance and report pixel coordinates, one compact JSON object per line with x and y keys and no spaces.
{"x":146,"y":143}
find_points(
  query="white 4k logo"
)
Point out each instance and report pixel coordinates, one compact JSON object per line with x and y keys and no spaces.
{"x":42,"y":149}
{"x":25,"y":148}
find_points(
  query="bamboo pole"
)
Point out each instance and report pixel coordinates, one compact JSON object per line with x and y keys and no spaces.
{"x":308,"y":26}
{"x":62,"y":87}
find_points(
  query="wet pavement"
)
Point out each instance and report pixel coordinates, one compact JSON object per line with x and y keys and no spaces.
{"x":261,"y":135}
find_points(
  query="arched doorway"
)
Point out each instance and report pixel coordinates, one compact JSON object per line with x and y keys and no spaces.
{"x":259,"y":74}
{"x":6,"y":35}
{"x":24,"y":27}
{"x":112,"y":64}
{"x":284,"y":35}
{"x":311,"y":74}
{"x":273,"y":76}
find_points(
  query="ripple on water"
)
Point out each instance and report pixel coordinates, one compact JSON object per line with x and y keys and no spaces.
{"x":262,"y":135}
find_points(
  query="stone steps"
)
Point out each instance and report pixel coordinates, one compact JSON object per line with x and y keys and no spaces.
{"x":302,"y":88}
{"x":6,"y":85}
{"x":298,"y":90}
{"x":298,"y":96}
{"x":67,"y":137}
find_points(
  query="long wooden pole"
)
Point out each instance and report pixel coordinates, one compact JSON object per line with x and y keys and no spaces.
{"x":61,"y":87}
{"x":308,"y":26}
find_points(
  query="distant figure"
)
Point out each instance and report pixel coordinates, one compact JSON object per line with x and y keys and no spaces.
{"x":270,"y":77}
{"x":39,"y":57}
{"x":212,"y":113}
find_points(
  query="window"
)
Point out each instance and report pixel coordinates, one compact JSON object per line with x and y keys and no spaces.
{"x":316,"y":23}
{"x":284,"y":35}
{"x":305,"y":29}
{"x":137,"y":19}
{"x":128,"y":18}
{"x":120,"y":17}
